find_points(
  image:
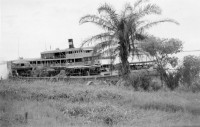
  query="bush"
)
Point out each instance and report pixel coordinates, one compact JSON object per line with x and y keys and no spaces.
{"x":190,"y":69}
{"x":194,"y":87}
{"x":172,"y":80}
{"x":155,"y":84}
{"x":142,"y":80}
{"x":139,"y":79}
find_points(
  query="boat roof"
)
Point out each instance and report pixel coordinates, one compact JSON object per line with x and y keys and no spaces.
{"x":68,"y":49}
{"x":20,"y":61}
{"x":82,"y":66}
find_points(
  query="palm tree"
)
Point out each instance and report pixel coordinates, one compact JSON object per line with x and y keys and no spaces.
{"x":122,"y":31}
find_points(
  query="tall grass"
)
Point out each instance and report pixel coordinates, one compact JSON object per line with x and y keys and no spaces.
{"x":76,"y":104}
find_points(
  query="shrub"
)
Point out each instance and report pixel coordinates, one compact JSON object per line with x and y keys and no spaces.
{"x":155,"y":84}
{"x":172,"y":80}
{"x":190,"y":69}
{"x":194,"y":87}
{"x":140,"y":80}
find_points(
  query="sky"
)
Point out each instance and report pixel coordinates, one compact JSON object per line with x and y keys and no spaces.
{"x":29,"y":27}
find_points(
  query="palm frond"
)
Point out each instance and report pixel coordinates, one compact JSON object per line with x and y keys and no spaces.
{"x":127,"y":10}
{"x":140,"y":37}
{"x":151,"y":24}
{"x":140,"y":23}
{"x":148,"y":10}
{"x":139,"y":2}
{"x":103,"y":46}
{"x":109,"y":52}
{"x":110,"y":11}
{"x":98,"y":21}
{"x":99,"y":37}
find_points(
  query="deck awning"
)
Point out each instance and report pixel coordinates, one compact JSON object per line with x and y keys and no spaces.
{"x":78,"y":66}
{"x":21,"y":61}
{"x":82,"y":66}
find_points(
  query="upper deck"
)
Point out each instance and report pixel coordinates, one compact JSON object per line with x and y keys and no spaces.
{"x":71,"y":53}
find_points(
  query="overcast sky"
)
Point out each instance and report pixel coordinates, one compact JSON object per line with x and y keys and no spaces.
{"x":29,"y":27}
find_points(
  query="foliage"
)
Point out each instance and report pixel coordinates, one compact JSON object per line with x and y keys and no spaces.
{"x":190,"y":69}
{"x":195,"y":87}
{"x":139,"y":80}
{"x":161,"y":50}
{"x":142,"y":80}
{"x":122,"y":30}
{"x":172,"y":79}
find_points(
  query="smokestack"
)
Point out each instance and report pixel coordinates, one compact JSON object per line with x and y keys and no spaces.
{"x":71,"y":45}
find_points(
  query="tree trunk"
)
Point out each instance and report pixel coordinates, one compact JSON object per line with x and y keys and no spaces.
{"x":125,"y":68}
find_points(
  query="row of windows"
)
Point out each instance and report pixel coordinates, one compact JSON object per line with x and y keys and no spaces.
{"x":62,"y":61}
{"x":78,"y":51}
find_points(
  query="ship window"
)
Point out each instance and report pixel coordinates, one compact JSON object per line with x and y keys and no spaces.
{"x":71,"y":60}
{"x":63,"y":61}
{"x":78,"y":60}
{"x":87,"y":51}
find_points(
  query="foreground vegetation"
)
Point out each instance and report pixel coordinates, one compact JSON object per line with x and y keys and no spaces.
{"x":73,"y":103}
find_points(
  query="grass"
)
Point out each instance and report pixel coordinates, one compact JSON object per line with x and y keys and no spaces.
{"x":73,"y":103}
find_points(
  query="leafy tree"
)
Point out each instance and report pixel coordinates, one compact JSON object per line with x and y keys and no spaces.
{"x":162,"y":50}
{"x":190,"y":69}
{"x":122,"y":30}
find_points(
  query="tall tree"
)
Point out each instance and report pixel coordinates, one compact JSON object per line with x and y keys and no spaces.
{"x":123,"y":30}
{"x":162,"y":50}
